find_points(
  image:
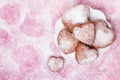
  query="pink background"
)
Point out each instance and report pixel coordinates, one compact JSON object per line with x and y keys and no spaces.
{"x":27,"y":29}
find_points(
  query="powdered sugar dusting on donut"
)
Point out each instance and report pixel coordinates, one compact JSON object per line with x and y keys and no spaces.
{"x":77,"y":14}
{"x":85,"y":33}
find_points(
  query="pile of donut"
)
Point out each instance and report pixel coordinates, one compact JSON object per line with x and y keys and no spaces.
{"x":82,"y":35}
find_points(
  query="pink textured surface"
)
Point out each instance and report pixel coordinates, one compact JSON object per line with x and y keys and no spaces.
{"x":4,"y":37}
{"x":31,"y":27}
{"x":26,"y":41}
{"x":26,"y":56}
{"x":10,"y":13}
